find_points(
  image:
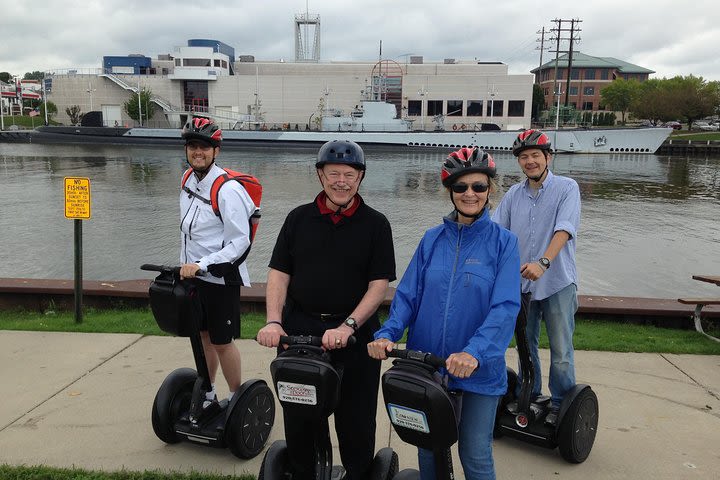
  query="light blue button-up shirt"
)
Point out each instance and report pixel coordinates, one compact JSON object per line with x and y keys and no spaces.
{"x":535,"y":216}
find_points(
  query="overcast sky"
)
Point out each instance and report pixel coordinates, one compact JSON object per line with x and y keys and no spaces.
{"x":671,"y":37}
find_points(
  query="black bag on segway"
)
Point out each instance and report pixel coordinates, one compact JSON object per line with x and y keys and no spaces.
{"x":305,"y":384}
{"x":420,"y":409}
{"x":172,"y":305}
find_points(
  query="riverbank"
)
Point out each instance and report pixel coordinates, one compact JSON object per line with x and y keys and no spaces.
{"x":41,"y":294}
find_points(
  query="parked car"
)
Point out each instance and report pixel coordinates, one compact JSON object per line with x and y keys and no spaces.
{"x":705,"y":126}
{"x":674,"y":125}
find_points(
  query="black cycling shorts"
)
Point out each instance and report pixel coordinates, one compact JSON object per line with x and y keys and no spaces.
{"x":220,"y":306}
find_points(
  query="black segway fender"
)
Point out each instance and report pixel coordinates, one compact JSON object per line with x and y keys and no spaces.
{"x":577,"y":424}
{"x":171,"y":401}
{"x":385,"y":464}
{"x":274,"y":465}
{"x":249,"y":419}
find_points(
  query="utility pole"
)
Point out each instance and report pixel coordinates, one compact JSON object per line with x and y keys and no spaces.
{"x":558,"y":31}
{"x":542,"y":48}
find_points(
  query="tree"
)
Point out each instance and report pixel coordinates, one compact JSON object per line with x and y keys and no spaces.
{"x":51,"y":110}
{"x":36,"y":75}
{"x":74,"y":112}
{"x":538,"y":102}
{"x":693,"y":97}
{"x":619,"y":95}
{"x":5,"y":77}
{"x":147,"y":108}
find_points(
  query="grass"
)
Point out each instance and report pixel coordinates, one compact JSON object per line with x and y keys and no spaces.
{"x":26,"y":121}
{"x":684,"y":135}
{"x":589,"y":334}
{"x":8,"y":472}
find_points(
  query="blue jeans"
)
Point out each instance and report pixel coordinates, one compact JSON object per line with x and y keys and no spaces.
{"x":558,"y":312}
{"x":475,"y":441}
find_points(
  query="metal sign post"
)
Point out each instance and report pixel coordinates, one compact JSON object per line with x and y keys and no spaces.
{"x":77,"y":207}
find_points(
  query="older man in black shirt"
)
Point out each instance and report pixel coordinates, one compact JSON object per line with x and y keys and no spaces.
{"x":329,"y":272}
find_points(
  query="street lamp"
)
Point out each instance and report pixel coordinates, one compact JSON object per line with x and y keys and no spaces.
{"x":90,"y":90}
{"x":492,"y":94}
{"x":139,"y":103}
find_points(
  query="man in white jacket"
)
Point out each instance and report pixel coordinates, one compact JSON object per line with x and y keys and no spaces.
{"x":215,"y":244}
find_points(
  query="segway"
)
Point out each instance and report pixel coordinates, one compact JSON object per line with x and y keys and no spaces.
{"x":523,"y":417}
{"x":307,"y":384}
{"x":242,"y":425}
{"x":422,"y":410}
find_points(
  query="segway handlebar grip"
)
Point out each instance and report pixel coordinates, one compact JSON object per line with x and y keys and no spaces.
{"x":426,"y":358}
{"x":165,"y":268}
{"x":308,"y":340}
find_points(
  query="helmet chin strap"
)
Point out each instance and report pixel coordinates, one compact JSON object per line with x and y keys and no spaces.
{"x":200,"y":173}
{"x":539,"y":177}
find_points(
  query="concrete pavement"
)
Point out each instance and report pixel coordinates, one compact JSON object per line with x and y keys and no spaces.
{"x":84,"y":400}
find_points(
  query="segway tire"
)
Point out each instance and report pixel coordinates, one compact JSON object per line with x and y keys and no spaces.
{"x":171,"y":402}
{"x":250,"y":422}
{"x":385,"y":464}
{"x":274,"y":465}
{"x":578,"y":426}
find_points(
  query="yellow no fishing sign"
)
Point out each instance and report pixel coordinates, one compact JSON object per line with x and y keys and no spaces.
{"x":77,"y":197}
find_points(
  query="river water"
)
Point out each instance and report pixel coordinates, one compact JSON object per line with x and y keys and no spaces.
{"x":648,"y":222}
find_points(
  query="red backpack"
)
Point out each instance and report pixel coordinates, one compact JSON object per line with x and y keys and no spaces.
{"x":251,"y":185}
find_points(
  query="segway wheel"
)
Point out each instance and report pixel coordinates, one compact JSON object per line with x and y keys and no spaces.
{"x":274,"y":465}
{"x":578,"y":426}
{"x":250,"y":422}
{"x":171,"y":402}
{"x":385,"y":464}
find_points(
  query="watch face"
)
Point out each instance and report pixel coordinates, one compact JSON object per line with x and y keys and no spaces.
{"x":545,"y":262}
{"x":350,"y":322}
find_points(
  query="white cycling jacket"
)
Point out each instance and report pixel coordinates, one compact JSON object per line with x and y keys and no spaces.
{"x":209,"y":240}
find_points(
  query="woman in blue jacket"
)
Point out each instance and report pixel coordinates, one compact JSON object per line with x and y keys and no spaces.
{"x":459,"y":299}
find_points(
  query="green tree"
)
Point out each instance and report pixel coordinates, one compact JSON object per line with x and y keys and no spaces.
{"x":5,"y":77}
{"x":538,"y":102}
{"x":51,"y":110}
{"x":693,"y":97}
{"x":36,"y":75}
{"x":75,"y":114}
{"x":133,"y":109}
{"x":619,"y":95}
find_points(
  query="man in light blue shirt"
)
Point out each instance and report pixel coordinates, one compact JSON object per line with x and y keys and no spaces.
{"x":544,"y":212}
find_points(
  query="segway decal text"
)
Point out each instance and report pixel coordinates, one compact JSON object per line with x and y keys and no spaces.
{"x":408,"y":418}
{"x":297,"y":393}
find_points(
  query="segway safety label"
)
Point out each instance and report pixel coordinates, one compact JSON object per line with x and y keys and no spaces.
{"x":297,"y":393}
{"x":408,"y":418}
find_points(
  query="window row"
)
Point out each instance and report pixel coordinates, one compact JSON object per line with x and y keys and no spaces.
{"x":473,"y":108}
{"x":589,"y":91}
{"x":588,"y":74}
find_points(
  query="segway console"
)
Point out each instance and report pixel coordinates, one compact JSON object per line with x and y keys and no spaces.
{"x":242,"y":425}
{"x":307,"y":384}
{"x":421,"y":409}
{"x":523,"y":417}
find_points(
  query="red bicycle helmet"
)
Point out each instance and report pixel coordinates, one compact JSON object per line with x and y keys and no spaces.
{"x":466,"y":160}
{"x":204,"y":129}
{"x":531,"y":139}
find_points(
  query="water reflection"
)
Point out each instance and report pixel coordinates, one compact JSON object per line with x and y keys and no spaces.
{"x":648,"y":222}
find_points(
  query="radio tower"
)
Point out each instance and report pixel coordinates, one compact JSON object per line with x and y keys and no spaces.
{"x":305,"y":27}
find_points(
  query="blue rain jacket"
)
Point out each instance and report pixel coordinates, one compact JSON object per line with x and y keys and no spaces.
{"x":461,"y":293}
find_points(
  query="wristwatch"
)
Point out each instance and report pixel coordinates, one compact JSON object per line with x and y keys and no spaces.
{"x":350,"y":322}
{"x":544,"y":263}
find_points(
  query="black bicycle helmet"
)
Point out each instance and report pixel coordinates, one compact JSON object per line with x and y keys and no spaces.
{"x":204,"y":129}
{"x":531,"y":139}
{"x":341,"y":152}
{"x":467,"y":160}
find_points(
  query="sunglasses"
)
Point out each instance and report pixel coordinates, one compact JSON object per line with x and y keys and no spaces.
{"x":462,"y":187}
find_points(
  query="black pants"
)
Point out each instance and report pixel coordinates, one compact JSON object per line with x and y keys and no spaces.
{"x":357,"y":406}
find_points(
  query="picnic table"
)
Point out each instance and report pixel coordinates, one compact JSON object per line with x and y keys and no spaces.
{"x":702,"y":302}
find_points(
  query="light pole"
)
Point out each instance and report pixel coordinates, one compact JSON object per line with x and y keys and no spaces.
{"x":139,"y":103}
{"x":557,"y":109}
{"x":492,"y":94}
{"x":90,"y":90}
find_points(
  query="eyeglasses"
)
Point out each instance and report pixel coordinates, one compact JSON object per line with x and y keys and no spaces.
{"x":476,"y":187}
{"x":335,"y":176}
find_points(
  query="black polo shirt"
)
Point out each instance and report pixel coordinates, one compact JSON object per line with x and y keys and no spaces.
{"x":330,"y":265}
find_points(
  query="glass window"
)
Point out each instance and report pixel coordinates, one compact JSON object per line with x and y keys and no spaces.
{"x":414,"y":108}
{"x":573,"y":90}
{"x":196,"y":62}
{"x":495,"y":108}
{"x":474,"y":108}
{"x":589,"y":91}
{"x":454,"y":108}
{"x":516,"y":108}
{"x":560,"y":74}
{"x":435,"y":107}
{"x":575,"y":74}
{"x":589,"y":74}
{"x":587,"y":106}
{"x":216,"y":63}
{"x":604,"y":74}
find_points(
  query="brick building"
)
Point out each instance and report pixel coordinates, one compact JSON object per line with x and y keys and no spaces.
{"x":588,"y":77}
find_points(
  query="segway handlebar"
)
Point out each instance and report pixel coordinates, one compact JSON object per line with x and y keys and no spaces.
{"x":311,"y":340}
{"x":175,"y":270}
{"x":426,"y":358}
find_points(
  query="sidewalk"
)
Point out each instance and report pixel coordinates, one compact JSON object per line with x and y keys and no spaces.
{"x":84,"y":400}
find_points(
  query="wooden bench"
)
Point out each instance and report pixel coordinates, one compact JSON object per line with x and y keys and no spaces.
{"x":700,"y":303}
